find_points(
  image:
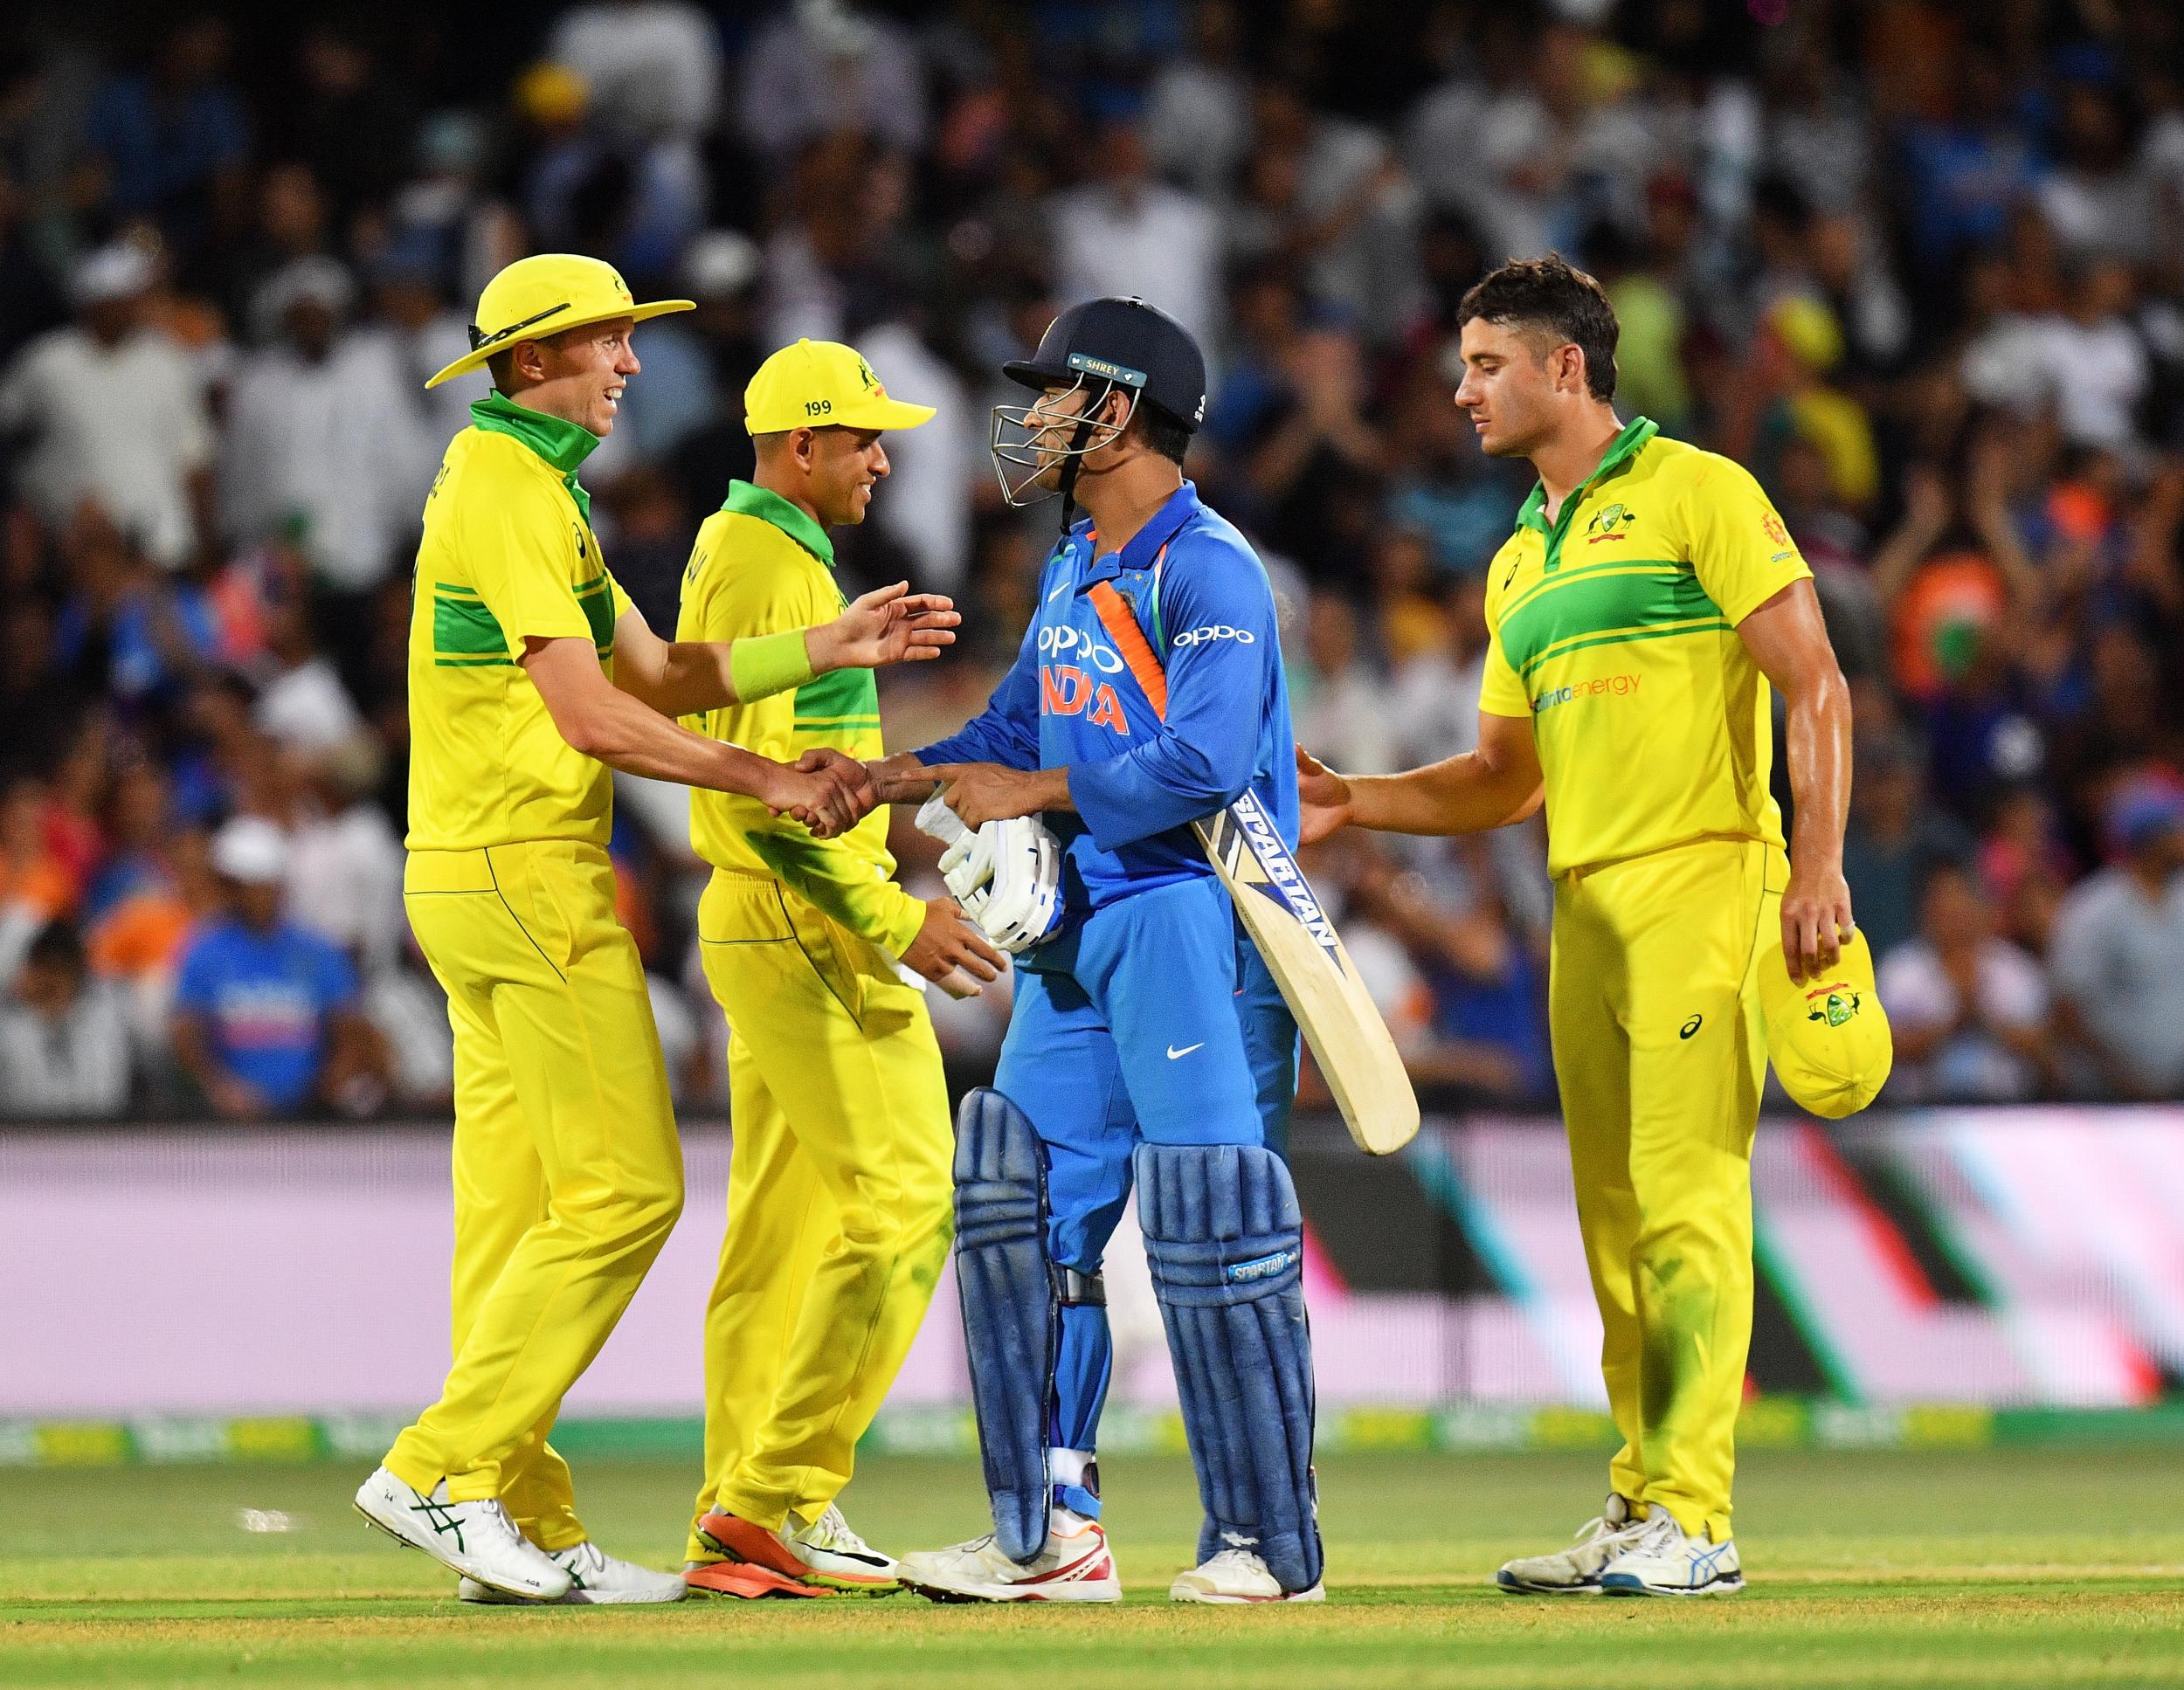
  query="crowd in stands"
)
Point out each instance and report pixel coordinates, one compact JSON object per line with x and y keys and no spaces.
{"x":1920,"y":265}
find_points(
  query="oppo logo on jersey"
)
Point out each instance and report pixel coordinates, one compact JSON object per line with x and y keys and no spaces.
{"x":1218,"y":631}
{"x":1061,"y":642}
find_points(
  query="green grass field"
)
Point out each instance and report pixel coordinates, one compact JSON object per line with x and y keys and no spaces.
{"x":2031,"y":1568}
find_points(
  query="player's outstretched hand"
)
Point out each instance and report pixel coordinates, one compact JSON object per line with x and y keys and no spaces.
{"x":949,"y":944}
{"x":1323,"y":799}
{"x":1815,"y":919}
{"x":889,"y":625}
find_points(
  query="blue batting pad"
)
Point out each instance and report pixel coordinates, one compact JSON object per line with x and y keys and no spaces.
{"x":1225,"y":1241}
{"x":1009,"y":1323}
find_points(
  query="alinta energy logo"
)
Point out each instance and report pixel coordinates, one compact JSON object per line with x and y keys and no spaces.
{"x":1620,"y":687}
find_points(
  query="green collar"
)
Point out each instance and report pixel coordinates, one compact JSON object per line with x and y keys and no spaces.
{"x":563,"y":444}
{"x":745,"y":499}
{"x":1619,"y":451}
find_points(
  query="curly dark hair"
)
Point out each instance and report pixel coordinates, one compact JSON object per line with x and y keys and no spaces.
{"x":1548,"y":294}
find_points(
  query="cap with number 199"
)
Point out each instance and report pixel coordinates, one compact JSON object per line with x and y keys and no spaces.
{"x":823,"y":384}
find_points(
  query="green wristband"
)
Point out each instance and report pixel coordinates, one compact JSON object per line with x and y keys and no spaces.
{"x":762,"y":665}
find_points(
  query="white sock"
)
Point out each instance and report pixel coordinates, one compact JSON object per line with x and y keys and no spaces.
{"x":1066,"y":1467}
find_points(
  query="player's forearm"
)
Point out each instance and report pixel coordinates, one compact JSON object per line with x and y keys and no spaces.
{"x":625,"y":733}
{"x":1462,"y":794}
{"x":697,"y":675}
{"x":1817,"y":737}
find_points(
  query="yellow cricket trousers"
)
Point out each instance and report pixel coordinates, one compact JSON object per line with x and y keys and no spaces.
{"x":838,"y":1197}
{"x":1660,"y":1052}
{"x":568,"y":1173}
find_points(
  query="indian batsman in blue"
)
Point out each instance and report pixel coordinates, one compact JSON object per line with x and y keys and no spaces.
{"x":1148,"y":1041}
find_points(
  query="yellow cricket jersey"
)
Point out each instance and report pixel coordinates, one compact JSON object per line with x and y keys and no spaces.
{"x":1614,"y":629}
{"x":508,"y":552}
{"x":762,"y":566}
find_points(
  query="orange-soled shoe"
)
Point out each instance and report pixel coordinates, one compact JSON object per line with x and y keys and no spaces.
{"x":823,"y":1552}
{"x":739,"y":1578}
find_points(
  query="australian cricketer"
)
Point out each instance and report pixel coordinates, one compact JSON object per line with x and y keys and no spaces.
{"x":530,"y":677}
{"x":838,"y":1198}
{"x":1637,"y":616}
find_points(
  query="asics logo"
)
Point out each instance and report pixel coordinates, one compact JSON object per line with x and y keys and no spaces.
{"x":1217,"y":630}
{"x":1061,"y":642}
{"x":441,"y":1518}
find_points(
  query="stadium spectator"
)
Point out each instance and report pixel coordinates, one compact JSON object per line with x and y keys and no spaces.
{"x":1928,"y":277}
{"x":1335,"y":695}
{"x":114,"y":414}
{"x":324,"y":436}
{"x":1896,"y":839}
{"x":265,"y":1011}
{"x":63,"y":1046}
{"x":1125,"y":231}
{"x":2118,"y":965}
{"x":1969,"y":1009}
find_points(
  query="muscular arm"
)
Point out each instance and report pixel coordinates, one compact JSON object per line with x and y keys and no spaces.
{"x":1496,"y":784}
{"x":601,"y":720}
{"x":1788,"y":640}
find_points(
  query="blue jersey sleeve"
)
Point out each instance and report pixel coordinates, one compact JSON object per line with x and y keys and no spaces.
{"x":1006,"y":731}
{"x":1219,"y":618}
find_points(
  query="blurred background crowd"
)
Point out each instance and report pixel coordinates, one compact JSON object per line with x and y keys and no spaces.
{"x":1920,"y":266}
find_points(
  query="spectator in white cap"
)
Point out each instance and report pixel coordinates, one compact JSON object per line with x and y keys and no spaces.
{"x":265,"y":1019}
{"x":112,"y":413}
{"x":323,"y":436}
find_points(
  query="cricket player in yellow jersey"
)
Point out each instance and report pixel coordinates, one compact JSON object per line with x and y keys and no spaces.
{"x":531,"y":678}
{"x":838,"y":1200}
{"x":1638,"y":616}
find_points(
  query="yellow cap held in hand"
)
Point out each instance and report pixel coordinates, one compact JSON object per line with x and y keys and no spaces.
{"x":1827,"y":1037}
{"x":823,"y":384}
{"x":537,"y":297}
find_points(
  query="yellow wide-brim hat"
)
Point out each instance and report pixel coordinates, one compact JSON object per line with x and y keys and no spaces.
{"x":823,"y":384}
{"x":541,"y":295}
{"x":1827,"y":1037}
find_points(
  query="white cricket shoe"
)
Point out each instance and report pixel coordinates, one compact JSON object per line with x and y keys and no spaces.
{"x":475,"y":1538}
{"x":1667,"y":1561}
{"x":595,"y":1577}
{"x":834,"y":1552}
{"x":1576,"y":1570}
{"x":1236,"y":1574}
{"x":1078,"y":1567}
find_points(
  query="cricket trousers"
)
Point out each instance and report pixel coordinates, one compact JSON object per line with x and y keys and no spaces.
{"x":568,"y":1173}
{"x":1660,"y":1052}
{"x":838,"y":1197}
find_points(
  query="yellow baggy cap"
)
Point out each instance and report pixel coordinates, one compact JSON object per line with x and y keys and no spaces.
{"x":823,"y":384}
{"x":1827,"y":1037}
{"x":543,"y":294}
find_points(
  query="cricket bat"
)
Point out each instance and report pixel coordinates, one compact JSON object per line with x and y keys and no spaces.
{"x":1320,"y":983}
{"x":1302,"y":951}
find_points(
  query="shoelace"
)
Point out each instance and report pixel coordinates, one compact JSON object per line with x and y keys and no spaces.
{"x":1239,"y":1560}
{"x":583,"y":1559}
{"x":495,"y":1522}
{"x":1599,"y":1527}
{"x":832,"y":1531}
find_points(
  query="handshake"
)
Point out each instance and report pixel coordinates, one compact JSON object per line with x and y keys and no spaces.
{"x":1003,"y":875}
